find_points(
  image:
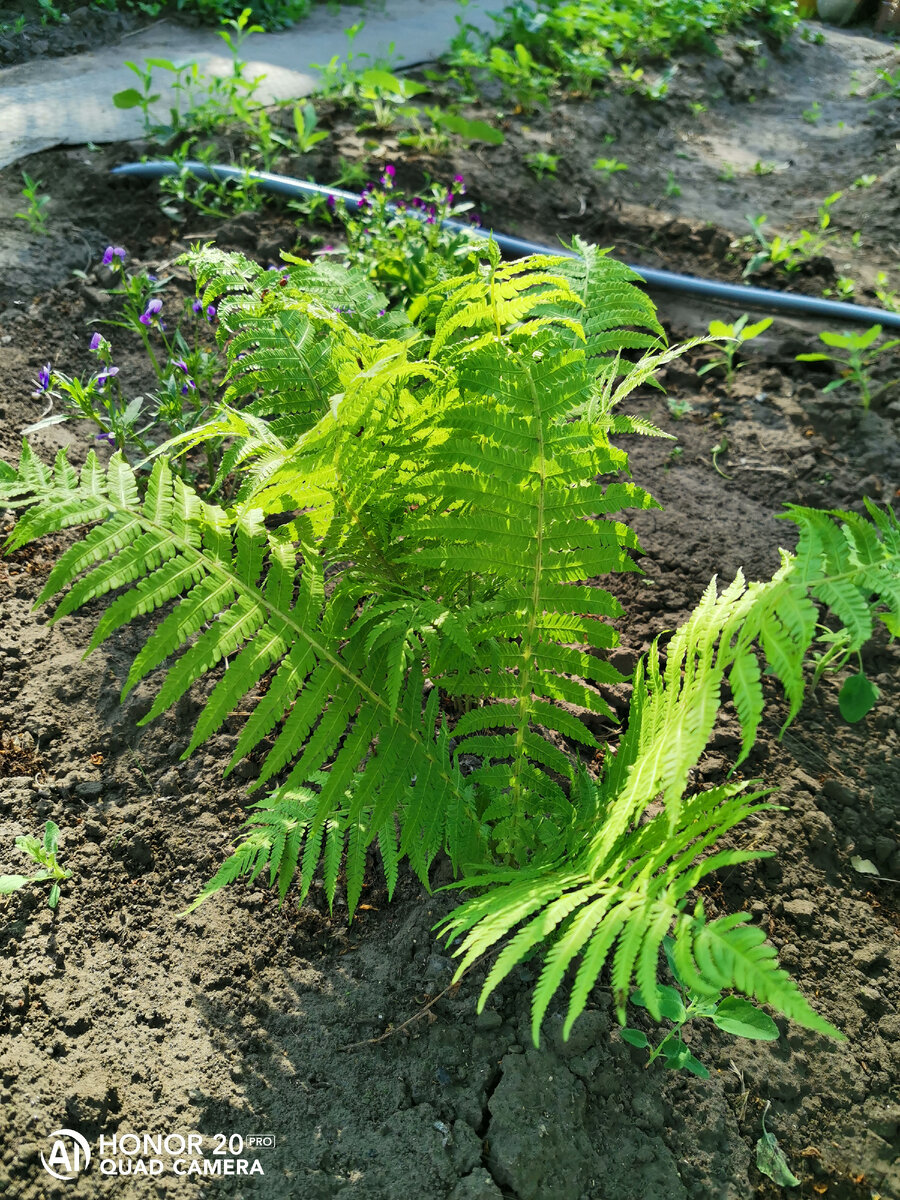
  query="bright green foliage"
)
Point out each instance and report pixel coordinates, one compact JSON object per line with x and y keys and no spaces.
{"x":399,"y":592}
{"x":732,"y":338}
{"x":625,"y":890}
{"x":855,"y":355}
{"x":681,"y":1005}
{"x":580,"y":43}
{"x":44,"y":854}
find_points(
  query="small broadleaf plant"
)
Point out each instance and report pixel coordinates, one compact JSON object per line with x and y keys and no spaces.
{"x":680,"y":1005}
{"x":397,"y":594}
{"x":44,"y":853}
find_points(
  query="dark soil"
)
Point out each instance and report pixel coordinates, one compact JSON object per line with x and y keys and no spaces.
{"x":344,"y":1044}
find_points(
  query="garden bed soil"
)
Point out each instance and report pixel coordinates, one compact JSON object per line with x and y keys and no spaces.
{"x":345,"y":1044}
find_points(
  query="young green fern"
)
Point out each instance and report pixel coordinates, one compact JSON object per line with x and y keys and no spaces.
{"x":421,"y":501}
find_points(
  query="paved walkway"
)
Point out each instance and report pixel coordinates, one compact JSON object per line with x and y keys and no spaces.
{"x":68,"y":101}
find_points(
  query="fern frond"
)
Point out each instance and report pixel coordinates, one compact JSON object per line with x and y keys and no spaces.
{"x":621,"y":912}
{"x":266,"y":606}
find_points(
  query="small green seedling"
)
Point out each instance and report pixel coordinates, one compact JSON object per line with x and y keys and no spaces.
{"x":609,"y":167}
{"x":813,"y":114}
{"x":673,"y":187}
{"x":770,"y":1158}
{"x":680,"y":1005}
{"x":860,"y":354}
{"x":44,"y":854}
{"x":858,"y":695}
{"x":542,"y":164}
{"x":34,"y":213}
{"x":732,"y":338}
{"x":305,"y":121}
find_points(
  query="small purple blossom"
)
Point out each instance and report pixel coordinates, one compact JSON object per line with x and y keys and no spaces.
{"x":112,"y":253}
{"x":96,"y":341}
{"x":154,"y":307}
{"x":181,"y":365}
{"x":105,"y":376}
{"x":43,"y":380}
{"x":449,"y":198}
{"x":331,"y":203}
{"x":106,"y":437}
{"x":327,"y":249}
{"x":382,"y":311}
{"x":197,"y":306}
{"x":211,"y":312}
{"x":188,"y":386}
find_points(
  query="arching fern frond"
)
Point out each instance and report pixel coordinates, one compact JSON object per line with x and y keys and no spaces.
{"x":247,"y":595}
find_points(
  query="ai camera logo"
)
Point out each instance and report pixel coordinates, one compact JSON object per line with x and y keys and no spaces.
{"x":69,"y":1155}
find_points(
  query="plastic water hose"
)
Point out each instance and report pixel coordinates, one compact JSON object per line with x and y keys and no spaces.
{"x":732,"y":293}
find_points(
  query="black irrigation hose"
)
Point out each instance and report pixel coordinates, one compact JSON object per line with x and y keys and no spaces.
{"x":733,"y":293}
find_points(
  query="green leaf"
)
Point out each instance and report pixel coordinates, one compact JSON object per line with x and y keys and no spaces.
{"x":670,"y":1003}
{"x":472,"y":131}
{"x":11,"y":883}
{"x":51,"y":837}
{"x":30,"y":846}
{"x":743,"y":1019}
{"x":129,"y":98}
{"x":634,"y":1037}
{"x":53,"y":898}
{"x":679,"y":1058}
{"x":771,"y":1161}
{"x":857,"y":698}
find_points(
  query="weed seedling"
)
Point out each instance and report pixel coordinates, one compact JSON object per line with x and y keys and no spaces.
{"x":43,"y":853}
{"x":813,"y":114}
{"x":305,"y":121}
{"x":541,"y":165}
{"x":732,"y":338}
{"x":680,"y":1005}
{"x":34,"y":214}
{"x":860,"y":353}
{"x":609,"y":167}
{"x":673,"y":187}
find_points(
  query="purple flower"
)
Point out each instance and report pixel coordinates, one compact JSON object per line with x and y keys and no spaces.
{"x":450,"y":198}
{"x":154,"y":307}
{"x":459,"y":183}
{"x":382,"y":311}
{"x":331,"y":202}
{"x":105,"y":376}
{"x":211,"y":312}
{"x":327,"y":249}
{"x":96,"y":341}
{"x":106,"y":437}
{"x":197,"y":306}
{"x":113,"y":252}
{"x":181,"y":365}
{"x":188,"y":386}
{"x":43,"y":380}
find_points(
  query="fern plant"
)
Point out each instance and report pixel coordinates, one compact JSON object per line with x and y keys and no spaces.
{"x":399,"y":591}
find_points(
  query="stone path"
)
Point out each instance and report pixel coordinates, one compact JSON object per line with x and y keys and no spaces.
{"x":69,"y":100}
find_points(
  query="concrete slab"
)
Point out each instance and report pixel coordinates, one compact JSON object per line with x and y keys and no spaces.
{"x":68,"y":101}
